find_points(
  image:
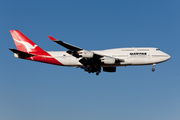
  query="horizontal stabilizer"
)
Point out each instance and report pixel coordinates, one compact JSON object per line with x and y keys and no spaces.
{"x":21,"y":54}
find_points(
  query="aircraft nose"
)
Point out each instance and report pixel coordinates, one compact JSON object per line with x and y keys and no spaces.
{"x":168,"y":57}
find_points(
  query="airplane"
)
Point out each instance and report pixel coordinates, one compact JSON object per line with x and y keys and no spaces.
{"x":90,"y":61}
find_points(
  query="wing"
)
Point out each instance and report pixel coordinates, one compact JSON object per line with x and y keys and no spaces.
{"x":88,"y":57}
{"x":66,"y":45}
{"x":73,"y":50}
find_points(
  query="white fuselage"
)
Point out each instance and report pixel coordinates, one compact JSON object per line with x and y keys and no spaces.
{"x":131,"y":56}
{"x":90,"y":61}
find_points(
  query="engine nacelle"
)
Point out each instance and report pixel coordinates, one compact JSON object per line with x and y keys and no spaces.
{"x":86,"y":54}
{"x":109,"y":69}
{"x":107,"y":60}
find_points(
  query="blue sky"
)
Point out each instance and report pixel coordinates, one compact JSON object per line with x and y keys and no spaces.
{"x":31,"y":90}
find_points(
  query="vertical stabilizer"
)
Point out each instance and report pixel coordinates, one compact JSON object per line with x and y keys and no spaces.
{"x":27,"y":49}
{"x":23,"y":43}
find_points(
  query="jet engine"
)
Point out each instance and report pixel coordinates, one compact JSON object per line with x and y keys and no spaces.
{"x":109,"y":69}
{"x":86,"y":54}
{"x":107,"y":60}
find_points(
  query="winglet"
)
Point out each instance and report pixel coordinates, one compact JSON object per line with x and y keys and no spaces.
{"x":52,"y":38}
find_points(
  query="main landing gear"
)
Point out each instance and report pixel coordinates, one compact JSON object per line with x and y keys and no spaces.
{"x":93,"y":69}
{"x":97,"y":73}
{"x":153,"y":69}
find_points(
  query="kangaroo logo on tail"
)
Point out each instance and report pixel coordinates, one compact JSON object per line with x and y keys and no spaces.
{"x":27,"y":45}
{"x":24,"y":44}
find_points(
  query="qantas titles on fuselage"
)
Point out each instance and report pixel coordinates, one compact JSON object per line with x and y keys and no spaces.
{"x":90,"y":61}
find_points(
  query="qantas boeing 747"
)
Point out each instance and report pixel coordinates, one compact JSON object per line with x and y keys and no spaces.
{"x":90,"y":61}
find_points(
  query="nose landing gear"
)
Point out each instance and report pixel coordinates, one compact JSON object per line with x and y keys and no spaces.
{"x":153,"y":69}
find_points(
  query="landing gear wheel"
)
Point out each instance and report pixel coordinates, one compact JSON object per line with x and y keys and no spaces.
{"x":89,"y":71}
{"x":153,"y":69}
{"x":97,"y":73}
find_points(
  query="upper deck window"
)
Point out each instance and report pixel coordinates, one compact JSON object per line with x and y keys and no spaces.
{"x":157,"y":49}
{"x":127,"y":50}
{"x":143,"y":49}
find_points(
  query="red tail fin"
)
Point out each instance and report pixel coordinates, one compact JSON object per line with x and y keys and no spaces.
{"x":27,"y":49}
{"x":23,"y":43}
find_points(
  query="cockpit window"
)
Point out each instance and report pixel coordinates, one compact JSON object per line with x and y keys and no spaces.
{"x":157,"y":49}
